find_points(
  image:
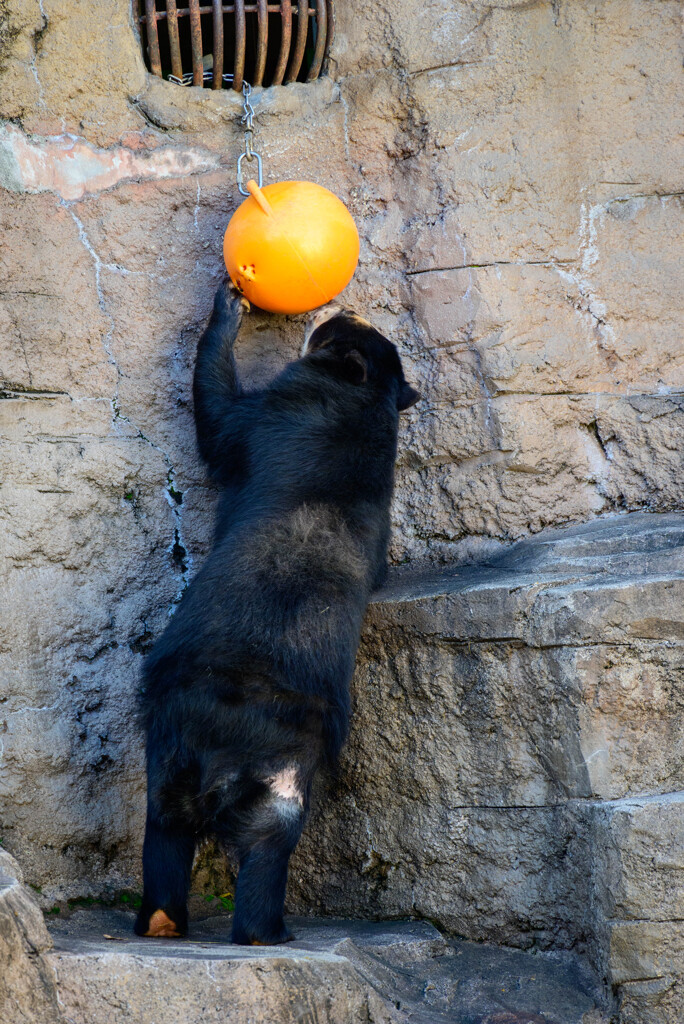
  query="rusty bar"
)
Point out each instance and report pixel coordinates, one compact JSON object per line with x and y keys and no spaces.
{"x":324,"y":30}
{"x":240,"y":33}
{"x":196,"y":40}
{"x":174,"y":43}
{"x":286,"y":36}
{"x":218,"y":45}
{"x":331,"y":32}
{"x":321,"y":34}
{"x":152,"y":37}
{"x":262,"y":42}
{"x":227,"y":9}
{"x":298,"y":55}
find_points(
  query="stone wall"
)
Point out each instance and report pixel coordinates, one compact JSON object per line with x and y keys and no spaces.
{"x":515,"y":172}
{"x":514,"y":771}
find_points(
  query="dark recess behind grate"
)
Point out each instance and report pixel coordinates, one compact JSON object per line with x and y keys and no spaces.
{"x":279,"y":59}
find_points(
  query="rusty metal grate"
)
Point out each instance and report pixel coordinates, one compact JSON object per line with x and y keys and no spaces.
{"x":259,"y":42}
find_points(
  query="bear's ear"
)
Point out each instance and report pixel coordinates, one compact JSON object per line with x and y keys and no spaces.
{"x":355,"y":367}
{"x":407,"y":397}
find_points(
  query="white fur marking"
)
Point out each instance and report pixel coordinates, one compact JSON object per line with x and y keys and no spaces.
{"x":326,"y":312}
{"x":284,"y":784}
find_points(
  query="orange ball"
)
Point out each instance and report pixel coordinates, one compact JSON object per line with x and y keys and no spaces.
{"x":291,"y":247}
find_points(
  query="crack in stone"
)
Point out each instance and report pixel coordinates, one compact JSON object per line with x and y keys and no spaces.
{"x":504,"y":393}
{"x":37,"y":40}
{"x":158,"y":126}
{"x":444,"y":67}
{"x":590,"y":305}
{"x":345,"y":124}
{"x":28,"y":291}
{"x":106,"y":341}
{"x":582,"y":801}
{"x":643,"y":195}
{"x":23,"y":349}
{"x":494,"y":263}
{"x":28,"y":709}
{"x":9,"y":392}
{"x":195,"y":213}
{"x":545,"y":589}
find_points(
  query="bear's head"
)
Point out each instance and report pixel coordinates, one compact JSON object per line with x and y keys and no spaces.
{"x":360,"y":353}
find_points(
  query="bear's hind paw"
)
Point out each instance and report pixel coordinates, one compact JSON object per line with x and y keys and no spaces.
{"x":162,"y":927}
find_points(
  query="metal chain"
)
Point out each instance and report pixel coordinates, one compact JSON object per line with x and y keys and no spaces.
{"x":189,"y":78}
{"x":247,"y":119}
{"x":249,"y":154}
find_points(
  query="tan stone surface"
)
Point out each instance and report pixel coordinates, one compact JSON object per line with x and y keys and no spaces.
{"x":54,"y":332}
{"x":637,"y":896}
{"x":71,"y":66}
{"x":646,"y":951}
{"x":80,"y":518}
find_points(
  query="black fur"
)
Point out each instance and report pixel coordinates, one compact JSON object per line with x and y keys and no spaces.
{"x":251,"y":677}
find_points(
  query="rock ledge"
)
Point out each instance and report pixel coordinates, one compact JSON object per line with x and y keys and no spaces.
{"x":335,"y":972}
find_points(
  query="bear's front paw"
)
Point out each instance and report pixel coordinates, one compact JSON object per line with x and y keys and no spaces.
{"x":234,"y":297}
{"x":229,"y":306}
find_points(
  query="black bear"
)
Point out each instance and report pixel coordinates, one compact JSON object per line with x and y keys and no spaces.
{"x":246,"y":693}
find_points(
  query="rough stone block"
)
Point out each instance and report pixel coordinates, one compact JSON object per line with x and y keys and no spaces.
{"x":335,"y":972}
{"x":639,"y":862}
{"x":638,"y":872}
{"x":27,"y":987}
{"x":504,"y":703}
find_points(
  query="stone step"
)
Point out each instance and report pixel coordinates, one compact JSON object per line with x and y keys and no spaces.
{"x":500,"y":710}
{"x":335,"y":972}
{"x":515,"y":770}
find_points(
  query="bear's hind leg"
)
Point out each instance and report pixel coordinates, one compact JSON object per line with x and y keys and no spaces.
{"x":168,"y":852}
{"x":260,"y":896}
{"x":264,"y":856}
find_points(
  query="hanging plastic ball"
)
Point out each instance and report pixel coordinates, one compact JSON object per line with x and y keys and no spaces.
{"x":291,"y":247}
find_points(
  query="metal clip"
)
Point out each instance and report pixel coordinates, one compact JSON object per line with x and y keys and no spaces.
{"x":244,"y":156}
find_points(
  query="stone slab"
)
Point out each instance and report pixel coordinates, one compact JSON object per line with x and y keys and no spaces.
{"x":334,"y":971}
